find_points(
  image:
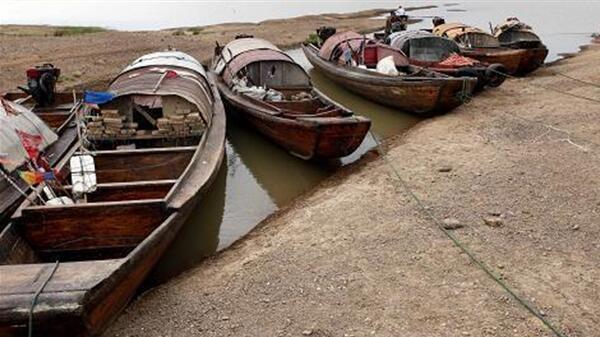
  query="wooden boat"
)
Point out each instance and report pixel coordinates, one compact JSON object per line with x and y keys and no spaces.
{"x":515,"y":34}
{"x":349,"y":59}
{"x":74,"y":266}
{"x":482,"y":46}
{"x":424,"y":49}
{"x":274,"y":95}
{"x":60,"y":118}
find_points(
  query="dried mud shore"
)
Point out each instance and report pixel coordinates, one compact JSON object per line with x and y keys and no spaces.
{"x":93,"y":59}
{"x":515,"y":172}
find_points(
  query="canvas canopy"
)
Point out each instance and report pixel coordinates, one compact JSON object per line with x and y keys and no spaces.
{"x":264,"y":64}
{"x":167,"y":58}
{"x":15,"y":117}
{"x":467,"y":36}
{"x":351,"y":39}
{"x":239,"y":46}
{"x":166,"y":74}
{"x":423,"y":46}
{"x":513,"y":30}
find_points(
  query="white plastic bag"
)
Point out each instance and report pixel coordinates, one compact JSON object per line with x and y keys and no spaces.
{"x":387,"y":66}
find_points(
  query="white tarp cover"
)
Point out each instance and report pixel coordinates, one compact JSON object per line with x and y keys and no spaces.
{"x":15,"y":117}
{"x":167,"y":58}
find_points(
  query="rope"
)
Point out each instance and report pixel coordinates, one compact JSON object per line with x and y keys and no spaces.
{"x":37,"y":294}
{"x":534,"y":311}
{"x":553,"y":89}
{"x":463,"y":95}
{"x":556,"y":73}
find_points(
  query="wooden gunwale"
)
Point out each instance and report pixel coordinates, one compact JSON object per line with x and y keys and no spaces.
{"x":353,"y":77}
{"x":87,"y":310}
{"x":261,"y":116}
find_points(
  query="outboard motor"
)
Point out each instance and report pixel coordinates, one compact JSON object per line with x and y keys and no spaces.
{"x":41,"y":84}
{"x":325,"y":32}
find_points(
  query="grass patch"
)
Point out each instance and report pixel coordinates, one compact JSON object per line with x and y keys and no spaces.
{"x":69,"y":31}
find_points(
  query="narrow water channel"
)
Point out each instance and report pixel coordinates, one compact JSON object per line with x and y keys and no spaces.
{"x":260,"y":178}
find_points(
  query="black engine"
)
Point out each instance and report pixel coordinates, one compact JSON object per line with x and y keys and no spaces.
{"x":325,"y":32}
{"x":41,"y":84}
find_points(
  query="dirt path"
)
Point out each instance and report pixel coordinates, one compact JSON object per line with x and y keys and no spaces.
{"x":358,"y":257}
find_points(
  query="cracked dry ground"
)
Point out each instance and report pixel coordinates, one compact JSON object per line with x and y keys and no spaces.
{"x":357,"y":257}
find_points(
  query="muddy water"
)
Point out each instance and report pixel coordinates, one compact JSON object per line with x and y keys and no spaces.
{"x":260,"y":178}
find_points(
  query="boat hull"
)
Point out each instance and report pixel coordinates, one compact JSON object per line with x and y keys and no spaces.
{"x":421,"y":96}
{"x":82,"y":297}
{"x":308,"y":138}
{"x":517,"y":61}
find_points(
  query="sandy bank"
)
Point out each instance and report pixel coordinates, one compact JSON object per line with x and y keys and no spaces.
{"x":358,"y":257}
{"x":91,"y":60}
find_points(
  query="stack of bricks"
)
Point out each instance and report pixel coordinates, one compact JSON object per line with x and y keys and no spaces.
{"x":180,"y":124}
{"x":110,"y":124}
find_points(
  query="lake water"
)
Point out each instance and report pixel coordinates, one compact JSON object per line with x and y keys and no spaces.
{"x":259,"y":177}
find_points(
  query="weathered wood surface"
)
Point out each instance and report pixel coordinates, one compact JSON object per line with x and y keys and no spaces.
{"x":419,"y":95}
{"x":62,"y":121}
{"x":92,"y":225}
{"x":305,"y":136}
{"x":516,"y":61}
{"x":121,"y":217}
{"x":142,"y":165}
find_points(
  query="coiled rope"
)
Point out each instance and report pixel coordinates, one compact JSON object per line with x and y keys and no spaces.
{"x":533,"y":310}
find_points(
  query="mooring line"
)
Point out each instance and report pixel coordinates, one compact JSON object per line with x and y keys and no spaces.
{"x":550,"y":88}
{"x":534,"y":311}
{"x":37,"y":294}
{"x":556,"y":73}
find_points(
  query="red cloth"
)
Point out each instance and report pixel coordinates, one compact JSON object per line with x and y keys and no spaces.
{"x":456,"y":60}
{"x":30,"y":143}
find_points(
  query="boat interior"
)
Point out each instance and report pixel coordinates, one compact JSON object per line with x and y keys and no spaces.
{"x":367,"y":58}
{"x":519,"y":38}
{"x":109,"y":195}
{"x":430,"y":49}
{"x":56,"y":115}
{"x":476,"y":39}
{"x":288,"y":91}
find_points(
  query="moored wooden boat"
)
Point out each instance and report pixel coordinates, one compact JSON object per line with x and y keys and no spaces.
{"x":442,"y":55}
{"x":349,"y":59}
{"x":482,"y":46}
{"x":274,"y":94}
{"x":60,"y":118}
{"x":515,"y":34}
{"x":130,"y":194}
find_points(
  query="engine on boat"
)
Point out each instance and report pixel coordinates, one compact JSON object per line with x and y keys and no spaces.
{"x":41,"y":84}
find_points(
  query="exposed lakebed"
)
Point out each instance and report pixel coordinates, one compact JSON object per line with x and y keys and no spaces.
{"x":259,"y":178}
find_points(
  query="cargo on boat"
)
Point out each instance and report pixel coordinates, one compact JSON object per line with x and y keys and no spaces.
{"x":482,"y":46}
{"x":74,"y":254}
{"x":441,"y":54}
{"x":274,"y":95}
{"x":39,"y":112}
{"x":384,"y":74}
{"x":515,"y":34}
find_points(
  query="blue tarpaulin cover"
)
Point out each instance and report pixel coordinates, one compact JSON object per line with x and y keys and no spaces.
{"x":98,"y":97}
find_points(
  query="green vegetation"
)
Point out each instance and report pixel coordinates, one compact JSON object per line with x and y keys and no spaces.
{"x":69,"y":31}
{"x":196,"y":30}
{"x":314,"y":39}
